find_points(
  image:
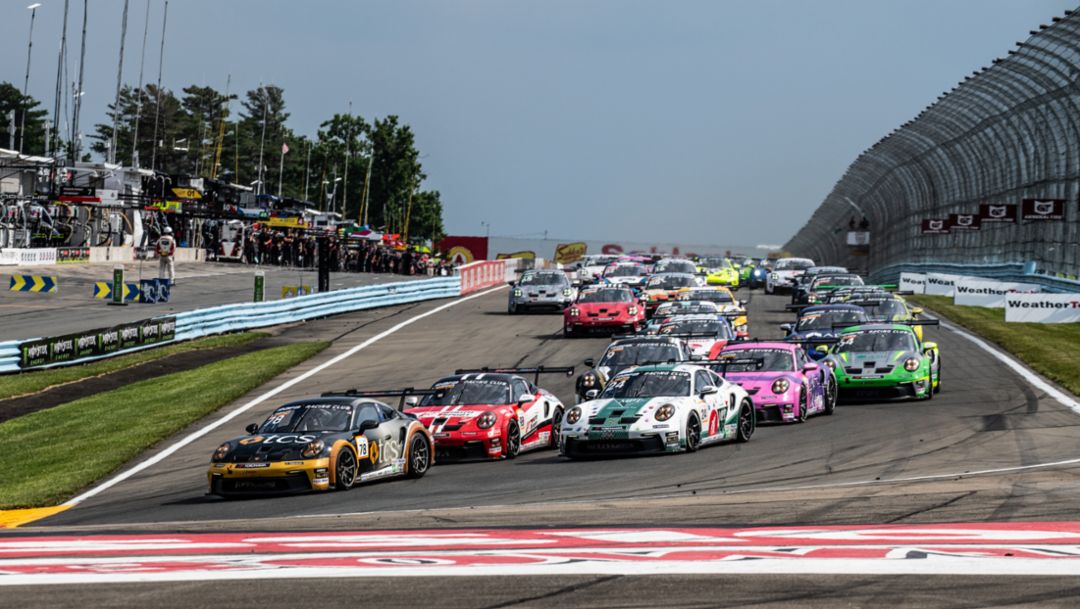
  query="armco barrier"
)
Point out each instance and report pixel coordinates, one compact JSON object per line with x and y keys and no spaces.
{"x":479,"y":275}
{"x":245,"y":316}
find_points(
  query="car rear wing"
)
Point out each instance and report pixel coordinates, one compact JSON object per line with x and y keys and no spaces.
{"x":796,"y":308}
{"x":921,"y":322}
{"x":535,"y":371}
{"x":615,"y":337}
{"x":690,"y":335}
{"x":382,"y":393}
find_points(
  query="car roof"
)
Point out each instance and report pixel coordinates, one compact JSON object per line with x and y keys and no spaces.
{"x":651,"y":338}
{"x":471,"y":376}
{"x":877,"y":326}
{"x":673,"y":367}
{"x":770,"y":344}
{"x":833,"y":306}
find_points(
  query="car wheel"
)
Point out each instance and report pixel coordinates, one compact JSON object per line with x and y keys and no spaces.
{"x":419,"y":456}
{"x":802,"y":406}
{"x":938,"y":388}
{"x":513,"y":440}
{"x":747,"y":424}
{"x":693,"y":433}
{"x":556,"y":425}
{"x":511,"y":309}
{"x":345,"y":469}
{"x":568,"y":332}
{"x":830,"y":394}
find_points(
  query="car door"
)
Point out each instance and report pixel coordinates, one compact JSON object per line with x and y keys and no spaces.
{"x":708,"y":406}
{"x":813,"y":382}
{"x":530,"y":413}
{"x":369,"y":443}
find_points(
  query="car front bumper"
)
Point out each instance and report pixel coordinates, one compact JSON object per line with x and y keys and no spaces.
{"x":229,"y":479}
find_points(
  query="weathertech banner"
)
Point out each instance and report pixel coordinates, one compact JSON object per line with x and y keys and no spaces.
{"x":959,"y":222}
{"x":913,"y":282}
{"x":935,"y":226}
{"x":941,"y":284}
{"x":973,"y":292}
{"x":995,"y":213}
{"x":1042,"y":209}
{"x":1043,"y":308}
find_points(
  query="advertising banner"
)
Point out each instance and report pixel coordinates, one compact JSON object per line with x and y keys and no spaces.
{"x":913,"y":282}
{"x":73,"y":347}
{"x":935,"y":226}
{"x":463,"y":250}
{"x":961,"y":222}
{"x":1042,"y":209}
{"x":72,"y":255}
{"x":1042,"y":308}
{"x":569,"y":253}
{"x":973,"y":292}
{"x":995,"y":213}
{"x":941,"y":284}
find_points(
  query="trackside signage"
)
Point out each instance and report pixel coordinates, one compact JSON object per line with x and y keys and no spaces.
{"x":1043,"y":308}
{"x":971,"y":292}
{"x":93,"y":343}
{"x":941,"y":284}
{"x":913,"y":282}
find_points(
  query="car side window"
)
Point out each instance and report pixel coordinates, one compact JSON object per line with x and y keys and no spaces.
{"x":701,"y":380}
{"x":387,"y":413}
{"x":520,"y":388}
{"x":367,"y":412}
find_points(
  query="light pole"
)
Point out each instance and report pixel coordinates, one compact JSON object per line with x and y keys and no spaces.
{"x":487,"y":228}
{"x":26,"y":81}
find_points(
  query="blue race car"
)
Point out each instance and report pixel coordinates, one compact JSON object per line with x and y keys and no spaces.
{"x":823,"y":321}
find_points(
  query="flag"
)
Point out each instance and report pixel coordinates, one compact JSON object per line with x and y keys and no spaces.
{"x":284,"y":148}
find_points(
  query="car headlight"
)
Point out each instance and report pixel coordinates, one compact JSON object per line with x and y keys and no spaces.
{"x":589,"y":380}
{"x":567,"y":292}
{"x":573,"y":416}
{"x":313,"y":449}
{"x":830,"y":364}
{"x":518,"y":293}
{"x":742,"y":328}
{"x":664,"y":413}
{"x":911,"y":364}
{"x":486,"y":420}
{"x":780,"y":386}
{"x":631,"y":311}
{"x":221,"y":452}
{"x":574,"y":311}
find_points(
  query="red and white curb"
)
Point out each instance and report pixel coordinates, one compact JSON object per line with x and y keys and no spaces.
{"x":954,"y":549}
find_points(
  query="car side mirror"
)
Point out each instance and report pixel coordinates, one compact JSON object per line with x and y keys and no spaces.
{"x":525,"y":399}
{"x":787,"y":328}
{"x":251,"y":429}
{"x":823,"y":349}
{"x":412,"y":400}
{"x":810,"y":367}
{"x":367,"y":424}
{"x":916,"y":310}
{"x":709,"y":390}
{"x":592,"y":394}
{"x":511,"y":283}
{"x":927,"y":346}
{"x":742,"y":303}
{"x":590,"y":362}
{"x":696,"y":357}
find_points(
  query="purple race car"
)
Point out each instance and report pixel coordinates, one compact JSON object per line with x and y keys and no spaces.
{"x":785,"y":385}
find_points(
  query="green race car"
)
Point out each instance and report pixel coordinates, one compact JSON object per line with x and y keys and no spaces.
{"x":885,"y":361}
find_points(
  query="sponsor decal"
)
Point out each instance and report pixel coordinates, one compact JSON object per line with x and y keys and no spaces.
{"x":997,"y":213}
{"x":251,"y":440}
{"x":129,"y":335}
{"x":72,"y":347}
{"x":935,"y":226}
{"x":321,"y":481}
{"x":962,"y":222}
{"x":1042,"y":209}
{"x":251,"y":465}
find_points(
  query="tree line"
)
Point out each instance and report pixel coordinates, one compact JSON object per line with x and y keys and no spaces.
{"x":204,"y":132}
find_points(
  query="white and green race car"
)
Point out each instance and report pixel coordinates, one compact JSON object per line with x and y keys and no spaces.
{"x":658,"y":409}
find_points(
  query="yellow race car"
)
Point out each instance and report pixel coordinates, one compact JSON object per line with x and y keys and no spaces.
{"x":720,"y":271}
{"x":734,"y":310}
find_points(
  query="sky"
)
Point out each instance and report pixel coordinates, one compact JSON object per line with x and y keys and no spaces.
{"x":677,"y":121}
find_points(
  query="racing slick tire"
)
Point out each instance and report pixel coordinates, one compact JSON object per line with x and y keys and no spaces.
{"x":802,"y":416}
{"x":345,"y":469}
{"x":769,"y":288}
{"x":419,"y":456}
{"x":830,"y":395}
{"x":556,"y":425}
{"x":513,"y":440}
{"x":746,"y":422}
{"x":511,"y":309}
{"x":693,"y":433}
{"x":938,"y":388}
{"x":568,"y":332}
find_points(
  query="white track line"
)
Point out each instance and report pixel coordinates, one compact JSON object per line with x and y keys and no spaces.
{"x":1029,"y":375}
{"x":161,"y":456}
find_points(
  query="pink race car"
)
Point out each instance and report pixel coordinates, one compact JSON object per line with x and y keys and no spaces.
{"x":785,"y":385}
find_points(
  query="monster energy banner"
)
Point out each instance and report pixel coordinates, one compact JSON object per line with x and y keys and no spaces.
{"x":93,"y":343}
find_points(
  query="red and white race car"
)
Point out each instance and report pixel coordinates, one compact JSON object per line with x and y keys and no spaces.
{"x":490,"y":413}
{"x":609,"y":308}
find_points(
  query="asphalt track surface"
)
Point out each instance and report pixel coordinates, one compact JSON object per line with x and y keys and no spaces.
{"x":908,"y":462}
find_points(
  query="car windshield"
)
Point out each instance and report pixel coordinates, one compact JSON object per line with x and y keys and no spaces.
{"x":713,"y":263}
{"x":717,"y":296}
{"x":675,"y":266}
{"x":648,"y":384}
{"x":543,"y":279}
{"x":471,"y":391}
{"x":598,"y":260}
{"x":885,"y":310}
{"x":791,"y":264}
{"x":876,"y":340}
{"x":773,"y":360}
{"x":309,"y":417}
{"x":684,"y":307}
{"x":703,"y":326}
{"x":825,"y":320}
{"x":625,"y":270}
{"x":606,"y":296}
{"x":632,"y":354}
{"x":838,"y":280}
{"x":670,"y":282}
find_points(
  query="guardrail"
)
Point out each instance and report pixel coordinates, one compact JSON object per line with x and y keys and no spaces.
{"x":1010,"y":271}
{"x":246,"y":316}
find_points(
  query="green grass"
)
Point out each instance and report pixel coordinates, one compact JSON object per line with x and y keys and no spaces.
{"x":52,"y":454}
{"x":1050,"y":349}
{"x":33,"y":381}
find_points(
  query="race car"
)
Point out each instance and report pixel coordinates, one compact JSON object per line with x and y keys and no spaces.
{"x":782,"y":277}
{"x":819,"y":323}
{"x":734,"y":310}
{"x":675,"y":265}
{"x":603,"y":308}
{"x":858,"y":292}
{"x":317,"y":444}
{"x":658,"y":409}
{"x":705,"y":335}
{"x":785,"y":385}
{"x":540,"y":289}
{"x":625,"y":352}
{"x":491,"y":413}
{"x":722,"y":272}
{"x":885,"y":361}
{"x":802,"y":282}
{"x":822,"y":286}
{"x":672,"y":308}
{"x":591,"y":267}
{"x":630,"y":274}
{"x":751,"y":274}
{"x":664,"y":287}
{"x":888,"y":307}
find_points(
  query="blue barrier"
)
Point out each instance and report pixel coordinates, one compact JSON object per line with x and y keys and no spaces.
{"x":1009,"y":271}
{"x":246,"y":316}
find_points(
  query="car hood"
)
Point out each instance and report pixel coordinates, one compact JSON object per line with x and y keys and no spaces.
{"x":873,"y":359}
{"x":458,"y":413}
{"x":277,"y":446}
{"x":622,"y":412}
